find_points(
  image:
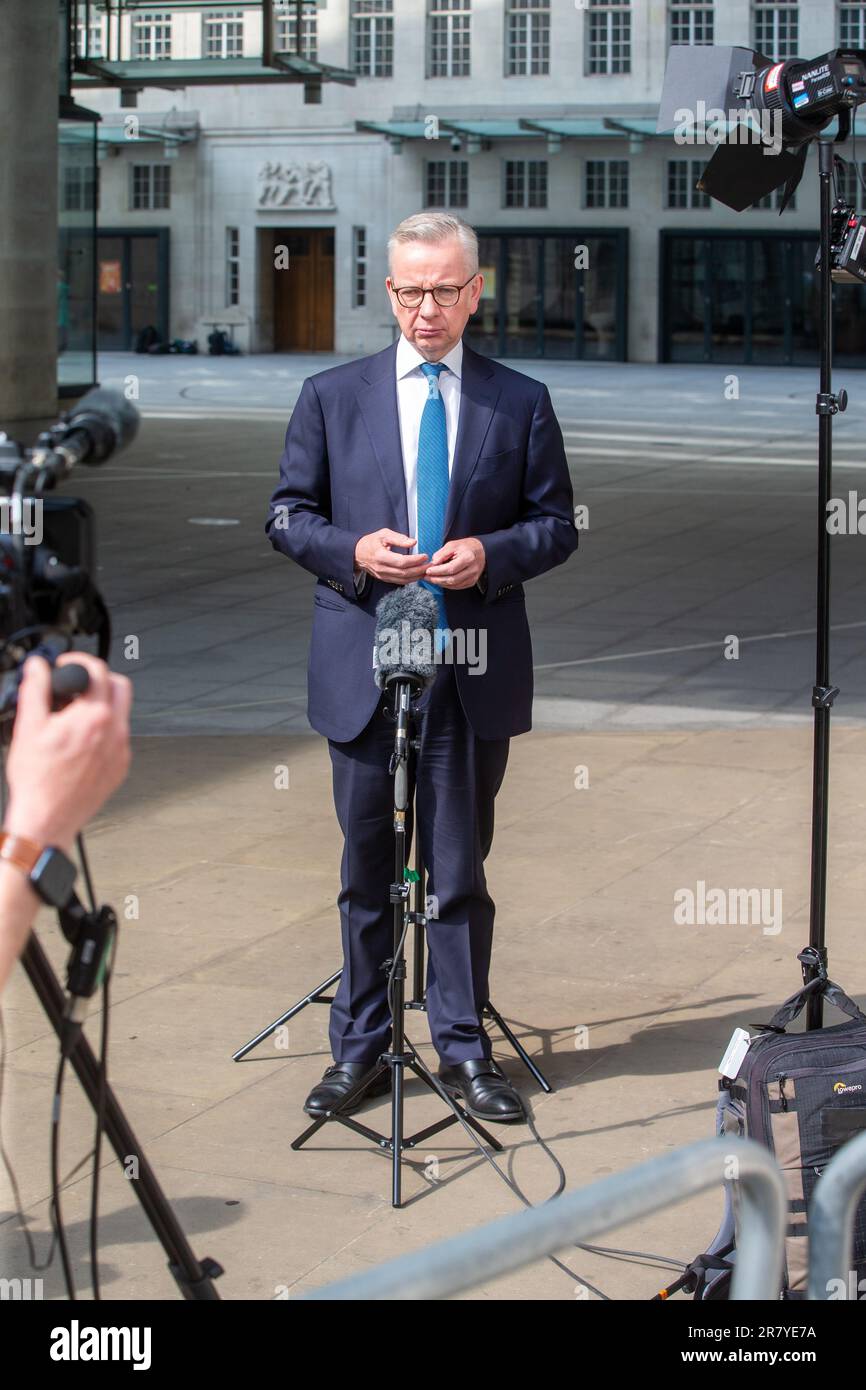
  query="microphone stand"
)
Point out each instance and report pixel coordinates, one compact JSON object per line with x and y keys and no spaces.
{"x":418,"y":1000}
{"x":320,"y":995}
{"x":402,"y":1054}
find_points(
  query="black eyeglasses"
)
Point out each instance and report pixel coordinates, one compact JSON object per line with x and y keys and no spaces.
{"x":446,"y":296}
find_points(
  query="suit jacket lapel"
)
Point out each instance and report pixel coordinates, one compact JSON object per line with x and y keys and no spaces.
{"x":377,"y":401}
{"x":478,"y":396}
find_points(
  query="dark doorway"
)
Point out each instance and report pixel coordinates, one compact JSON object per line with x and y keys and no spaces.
{"x":552,"y":294}
{"x":303,"y":290}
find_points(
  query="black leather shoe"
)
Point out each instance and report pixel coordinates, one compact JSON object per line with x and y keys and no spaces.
{"x":338,"y":1081}
{"x":485,"y":1091}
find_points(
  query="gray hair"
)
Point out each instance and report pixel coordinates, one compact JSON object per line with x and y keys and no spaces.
{"x":436,"y":227}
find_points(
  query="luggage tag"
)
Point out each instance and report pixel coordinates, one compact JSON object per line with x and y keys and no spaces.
{"x":734,"y":1054}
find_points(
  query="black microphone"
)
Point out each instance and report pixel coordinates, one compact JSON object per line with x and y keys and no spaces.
{"x":102,"y":422}
{"x":403,"y":648}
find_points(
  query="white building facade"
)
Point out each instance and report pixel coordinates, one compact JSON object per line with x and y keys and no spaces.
{"x":241,"y":205}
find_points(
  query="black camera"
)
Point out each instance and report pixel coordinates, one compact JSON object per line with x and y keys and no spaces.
{"x":48,"y":544}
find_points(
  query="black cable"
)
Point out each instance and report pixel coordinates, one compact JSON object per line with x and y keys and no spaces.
{"x":102,"y":1082}
{"x":58,"y":1236}
{"x":56,"y":1213}
{"x":102,"y":1085}
{"x":660,"y":1261}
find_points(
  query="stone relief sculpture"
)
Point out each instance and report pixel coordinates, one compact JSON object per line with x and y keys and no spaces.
{"x":295,"y":184}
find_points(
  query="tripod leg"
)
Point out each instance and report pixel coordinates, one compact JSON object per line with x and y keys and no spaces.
{"x":397,"y":1133}
{"x":312,"y":998}
{"x":348,"y":1099}
{"x":194,"y":1278}
{"x":459,"y":1113}
{"x":518,"y":1047}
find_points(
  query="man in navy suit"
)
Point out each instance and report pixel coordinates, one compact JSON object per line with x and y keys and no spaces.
{"x":425,"y":463}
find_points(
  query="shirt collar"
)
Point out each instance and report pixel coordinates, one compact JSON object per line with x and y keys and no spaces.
{"x":409,"y":358}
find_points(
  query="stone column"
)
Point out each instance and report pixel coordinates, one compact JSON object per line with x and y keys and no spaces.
{"x":29,"y":86}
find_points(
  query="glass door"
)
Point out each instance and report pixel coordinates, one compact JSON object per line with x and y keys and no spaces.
{"x":523,"y":304}
{"x":111,"y":279}
{"x":551,"y":294}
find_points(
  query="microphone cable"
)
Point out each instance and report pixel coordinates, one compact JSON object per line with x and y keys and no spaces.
{"x":644,"y":1258}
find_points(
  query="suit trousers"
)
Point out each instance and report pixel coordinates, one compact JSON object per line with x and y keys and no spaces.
{"x":456,"y":778}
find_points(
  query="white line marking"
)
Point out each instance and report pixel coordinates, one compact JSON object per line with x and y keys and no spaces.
{"x":695,"y":646}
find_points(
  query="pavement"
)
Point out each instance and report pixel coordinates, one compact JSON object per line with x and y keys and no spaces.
{"x":671,"y":746}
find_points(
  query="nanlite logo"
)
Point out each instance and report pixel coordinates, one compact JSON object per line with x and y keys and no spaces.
{"x":842,"y":1090}
{"x":77,"y":1343}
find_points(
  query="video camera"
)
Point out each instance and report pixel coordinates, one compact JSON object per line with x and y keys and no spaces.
{"x":48,"y":545}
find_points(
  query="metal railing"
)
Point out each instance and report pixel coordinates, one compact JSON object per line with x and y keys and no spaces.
{"x":454,"y":1265}
{"x":831,"y":1220}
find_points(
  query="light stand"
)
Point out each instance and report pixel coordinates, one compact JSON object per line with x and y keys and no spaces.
{"x":814,"y":958}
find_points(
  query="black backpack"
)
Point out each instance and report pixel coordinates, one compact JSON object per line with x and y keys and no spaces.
{"x":801,"y":1095}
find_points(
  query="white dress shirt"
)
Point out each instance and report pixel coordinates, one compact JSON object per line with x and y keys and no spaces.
{"x":412,"y":392}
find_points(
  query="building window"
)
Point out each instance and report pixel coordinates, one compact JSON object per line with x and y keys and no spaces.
{"x":606,"y":183}
{"x":851,"y":189}
{"x":233,"y":265}
{"x":359,"y":267}
{"x":608,"y":36}
{"x":223,"y":35}
{"x":691,"y":24}
{"x":151,"y":35}
{"x":80,"y":191}
{"x":287,"y":32}
{"x":525,"y":183}
{"x":773,"y":202}
{"x":777,"y":30}
{"x":448,"y":38}
{"x":527,"y":38}
{"x":852,"y":26}
{"x":683,"y":176}
{"x":90,"y":41}
{"x":446,"y":183}
{"x":151,"y":186}
{"x":372,"y":27}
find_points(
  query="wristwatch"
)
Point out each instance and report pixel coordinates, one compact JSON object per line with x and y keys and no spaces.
{"x":50,"y":872}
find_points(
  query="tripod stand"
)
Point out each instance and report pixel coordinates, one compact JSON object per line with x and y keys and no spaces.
{"x":417,"y":919}
{"x":402,"y":1054}
{"x":194,"y":1278}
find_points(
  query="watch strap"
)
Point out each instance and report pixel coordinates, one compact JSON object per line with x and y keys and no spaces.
{"x":20,"y":851}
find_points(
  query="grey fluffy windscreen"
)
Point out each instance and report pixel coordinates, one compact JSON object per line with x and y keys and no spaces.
{"x":401,"y":618}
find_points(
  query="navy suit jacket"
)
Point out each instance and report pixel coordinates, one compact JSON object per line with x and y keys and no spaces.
{"x":341,"y":477}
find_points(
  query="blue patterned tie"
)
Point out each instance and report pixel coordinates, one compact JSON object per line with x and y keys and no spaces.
{"x":433,"y":480}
